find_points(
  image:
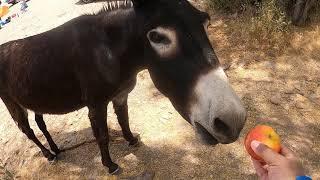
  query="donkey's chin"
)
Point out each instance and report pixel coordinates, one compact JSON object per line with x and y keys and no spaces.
{"x":205,"y":136}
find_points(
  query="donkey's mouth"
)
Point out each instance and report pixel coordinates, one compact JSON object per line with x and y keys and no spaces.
{"x":205,"y":136}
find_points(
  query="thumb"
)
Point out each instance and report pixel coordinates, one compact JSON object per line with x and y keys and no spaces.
{"x":267,"y":154}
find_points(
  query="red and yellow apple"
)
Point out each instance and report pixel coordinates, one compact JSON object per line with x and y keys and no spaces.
{"x":264,"y":134}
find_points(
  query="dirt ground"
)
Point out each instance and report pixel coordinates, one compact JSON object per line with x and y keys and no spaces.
{"x":282,"y":90}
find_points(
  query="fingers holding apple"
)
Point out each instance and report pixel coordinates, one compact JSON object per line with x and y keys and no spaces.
{"x":264,"y":134}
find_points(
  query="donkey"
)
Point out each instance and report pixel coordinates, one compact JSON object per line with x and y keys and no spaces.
{"x":94,"y":59}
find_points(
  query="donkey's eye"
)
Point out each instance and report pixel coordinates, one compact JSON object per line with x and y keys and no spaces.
{"x":158,"y":38}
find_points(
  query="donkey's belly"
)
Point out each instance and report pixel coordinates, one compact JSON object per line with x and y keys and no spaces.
{"x":58,"y":102}
{"x":66,"y":108}
{"x":54,"y":107}
{"x":55,"y":95}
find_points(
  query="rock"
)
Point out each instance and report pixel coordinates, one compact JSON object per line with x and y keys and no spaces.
{"x":276,"y":99}
{"x":132,"y":159}
{"x":315,"y":98}
{"x":286,"y":107}
{"x":300,"y":105}
{"x":297,"y":86}
{"x":290,"y":90}
{"x":302,"y":102}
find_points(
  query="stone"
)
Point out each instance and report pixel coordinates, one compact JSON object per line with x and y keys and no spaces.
{"x":276,"y":99}
{"x":290,"y":90}
{"x":302,"y":102}
{"x":131,"y":158}
{"x":315,"y":98}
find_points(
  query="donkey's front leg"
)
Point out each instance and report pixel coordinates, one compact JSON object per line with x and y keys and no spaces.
{"x":120,"y":105}
{"x":97,"y":115}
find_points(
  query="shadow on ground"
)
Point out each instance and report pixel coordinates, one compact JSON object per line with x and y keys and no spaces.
{"x":183,"y":161}
{"x":166,"y":161}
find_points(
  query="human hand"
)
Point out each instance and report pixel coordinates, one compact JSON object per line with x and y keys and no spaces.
{"x":284,"y":166}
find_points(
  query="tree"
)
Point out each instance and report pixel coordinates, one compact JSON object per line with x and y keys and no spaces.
{"x":299,"y":11}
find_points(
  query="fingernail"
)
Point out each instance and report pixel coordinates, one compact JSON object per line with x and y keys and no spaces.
{"x":255,"y":144}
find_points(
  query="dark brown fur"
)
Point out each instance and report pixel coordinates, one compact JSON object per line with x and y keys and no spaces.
{"x":94,"y":59}
{"x":67,"y":68}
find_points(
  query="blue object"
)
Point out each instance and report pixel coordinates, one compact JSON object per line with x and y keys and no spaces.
{"x":2,"y":23}
{"x":303,"y":178}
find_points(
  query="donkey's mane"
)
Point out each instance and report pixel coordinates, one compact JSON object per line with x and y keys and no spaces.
{"x":113,"y":5}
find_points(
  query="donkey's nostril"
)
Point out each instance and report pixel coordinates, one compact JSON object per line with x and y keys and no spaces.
{"x":220,"y":126}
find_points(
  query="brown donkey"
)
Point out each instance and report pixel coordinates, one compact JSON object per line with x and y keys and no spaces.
{"x":94,"y":59}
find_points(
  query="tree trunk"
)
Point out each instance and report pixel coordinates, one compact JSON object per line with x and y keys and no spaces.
{"x":300,"y":11}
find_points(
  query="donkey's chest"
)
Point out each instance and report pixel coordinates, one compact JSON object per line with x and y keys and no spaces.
{"x":123,"y":90}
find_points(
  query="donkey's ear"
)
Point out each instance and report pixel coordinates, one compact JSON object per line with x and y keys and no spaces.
{"x":138,"y":3}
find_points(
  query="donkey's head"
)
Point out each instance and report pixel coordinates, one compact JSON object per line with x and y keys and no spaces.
{"x":184,"y":67}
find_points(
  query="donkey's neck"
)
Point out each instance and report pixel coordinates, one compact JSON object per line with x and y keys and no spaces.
{"x":124,"y":30}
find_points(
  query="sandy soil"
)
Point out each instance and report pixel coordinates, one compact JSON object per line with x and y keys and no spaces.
{"x":282,"y":90}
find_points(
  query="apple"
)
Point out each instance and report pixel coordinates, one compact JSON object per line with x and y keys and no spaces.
{"x":264,"y":134}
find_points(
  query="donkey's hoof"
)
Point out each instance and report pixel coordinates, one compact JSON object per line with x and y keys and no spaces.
{"x":115,"y":170}
{"x":49,"y":156}
{"x":135,"y":142}
{"x":52,"y":160}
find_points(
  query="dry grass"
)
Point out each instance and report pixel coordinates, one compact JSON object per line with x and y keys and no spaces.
{"x":260,"y":25}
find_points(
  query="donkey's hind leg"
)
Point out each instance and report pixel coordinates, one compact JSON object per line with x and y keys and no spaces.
{"x":20,"y":116}
{"x":42,"y":126}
